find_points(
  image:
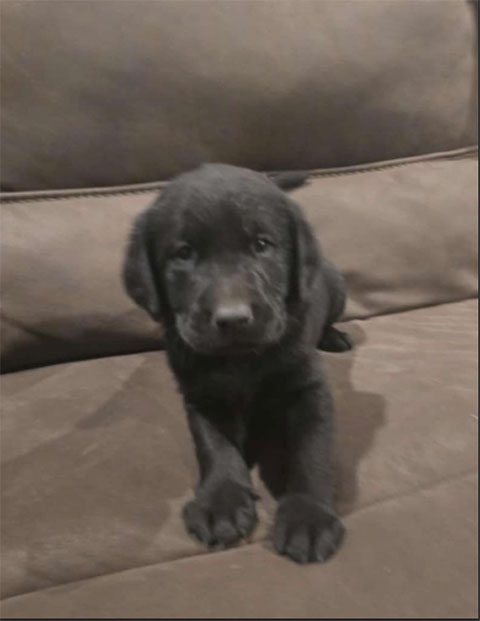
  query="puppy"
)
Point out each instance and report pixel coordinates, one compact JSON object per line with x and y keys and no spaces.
{"x":228,"y":265}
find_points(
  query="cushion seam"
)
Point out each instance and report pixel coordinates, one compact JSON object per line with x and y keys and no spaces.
{"x":16,"y":197}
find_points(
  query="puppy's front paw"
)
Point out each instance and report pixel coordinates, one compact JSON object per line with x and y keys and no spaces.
{"x":305,"y":531}
{"x":222,"y":515}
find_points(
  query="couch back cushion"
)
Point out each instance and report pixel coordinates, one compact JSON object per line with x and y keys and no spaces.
{"x":403,"y":235}
{"x":100,"y":93}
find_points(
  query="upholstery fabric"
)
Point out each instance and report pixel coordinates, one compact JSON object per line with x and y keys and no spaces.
{"x":102,"y":102}
{"x":411,"y":557}
{"x":404,"y":236}
{"x":103,"y":93}
{"x":97,"y":462}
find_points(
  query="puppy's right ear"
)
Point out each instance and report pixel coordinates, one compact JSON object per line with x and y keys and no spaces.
{"x":138,"y":276}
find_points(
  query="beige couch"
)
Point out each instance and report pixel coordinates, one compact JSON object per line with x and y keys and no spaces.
{"x":378,"y":99}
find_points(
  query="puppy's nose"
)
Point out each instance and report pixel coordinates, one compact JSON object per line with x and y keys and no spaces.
{"x":233,"y":316}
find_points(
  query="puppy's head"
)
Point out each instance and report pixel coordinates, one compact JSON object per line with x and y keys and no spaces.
{"x":223,"y":256}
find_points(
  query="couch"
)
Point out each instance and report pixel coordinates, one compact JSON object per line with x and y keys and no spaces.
{"x":102,"y":103}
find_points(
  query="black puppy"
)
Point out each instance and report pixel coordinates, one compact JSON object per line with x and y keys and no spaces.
{"x":226,"y":262}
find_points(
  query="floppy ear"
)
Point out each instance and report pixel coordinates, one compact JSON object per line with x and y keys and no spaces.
{"x":138,"y":277}
{"x":305,"y":256}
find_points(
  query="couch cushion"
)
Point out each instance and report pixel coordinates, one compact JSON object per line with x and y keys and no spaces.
{"x":100,"y":94}
{"x":412,"y":557}
{"x":97,"y":460}
{"x":404,"y":234}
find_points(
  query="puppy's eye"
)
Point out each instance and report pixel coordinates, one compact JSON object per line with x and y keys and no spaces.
{"x":184,"y":252}
{"x":262,"y":244}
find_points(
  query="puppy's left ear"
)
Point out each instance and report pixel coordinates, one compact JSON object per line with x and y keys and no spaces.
{"x":138,"y":276}
{"x":306,"y":258}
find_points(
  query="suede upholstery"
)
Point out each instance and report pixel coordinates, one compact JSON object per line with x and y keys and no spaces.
{"x":116,"y":443}
{"x":406,"y":206}
{"x":96,"y":456}
{"x":267,"y":85}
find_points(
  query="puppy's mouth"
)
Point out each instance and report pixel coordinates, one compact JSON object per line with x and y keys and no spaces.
{"x":232,"y":348}
{"x":237,"y":349}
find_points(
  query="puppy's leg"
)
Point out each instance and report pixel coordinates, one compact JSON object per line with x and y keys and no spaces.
{"x":223,"y":510}
{"x":306,"y":527}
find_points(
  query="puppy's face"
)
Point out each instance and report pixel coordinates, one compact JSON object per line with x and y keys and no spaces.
{"x":226,"y":274}
{"x":219,"y":252}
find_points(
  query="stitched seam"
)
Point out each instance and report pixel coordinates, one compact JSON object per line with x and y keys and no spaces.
{"x":314,"y":173}
{"x":382,"y":166}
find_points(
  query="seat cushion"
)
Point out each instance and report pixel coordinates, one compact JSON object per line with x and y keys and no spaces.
{"x":403,"y":233}
{"x":412,"y":557}
{"x":97,"y":462}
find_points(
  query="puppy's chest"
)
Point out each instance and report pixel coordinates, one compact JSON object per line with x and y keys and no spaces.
{"x":245,"y":391}
{"x":228,"y":387}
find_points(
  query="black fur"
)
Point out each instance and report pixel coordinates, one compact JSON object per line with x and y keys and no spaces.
{"x":226,"y":262}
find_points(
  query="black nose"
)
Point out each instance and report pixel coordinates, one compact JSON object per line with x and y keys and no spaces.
{"x":233,"y":316}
